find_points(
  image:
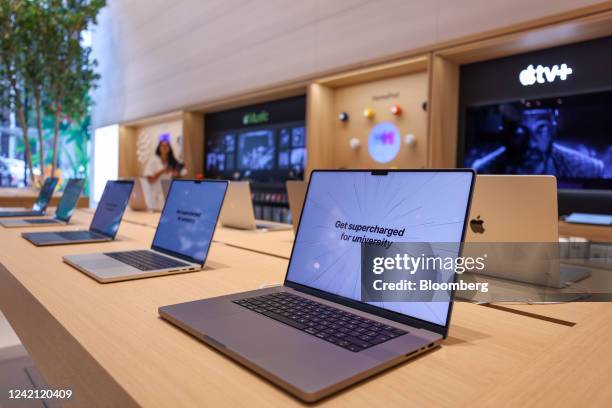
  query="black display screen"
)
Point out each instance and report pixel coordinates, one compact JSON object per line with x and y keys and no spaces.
{"x":568,"y":137}
{"x":543,"y":112}
{"x":265,"y":142}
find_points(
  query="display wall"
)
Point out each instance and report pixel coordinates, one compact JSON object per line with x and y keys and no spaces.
{"x":438,"y":68}
{"x":395,"y":135}
{"x":264,"y":143}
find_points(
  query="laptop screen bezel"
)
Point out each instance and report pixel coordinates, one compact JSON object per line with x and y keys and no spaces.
{"x":46,"y":198}
{"x":57,"y":216}
{"x":375,"y":310}
{"x":112,"y":236}
{"x":178,"y":254}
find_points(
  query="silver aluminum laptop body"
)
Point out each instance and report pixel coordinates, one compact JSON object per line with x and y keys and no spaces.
{"x":40,"y":206}
{"x":238,"y":210}
{"x":138,"y":200}
{"x":105,"y":268}
{"x":296,"y":192}
{"x":63,"y":212}
{"x":519,"y":209}
{"x":100,"y":229}
{"x":165,"y":185}
{"x":301,"y":363}
{"x":33,"y":222}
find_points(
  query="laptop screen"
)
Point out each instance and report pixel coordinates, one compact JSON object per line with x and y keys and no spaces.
{"x":430,"y":205}
{"x":46,"y":192}
{"x":111,"y":207}
{"x":67,"y":204}
{"x":188,"y":221}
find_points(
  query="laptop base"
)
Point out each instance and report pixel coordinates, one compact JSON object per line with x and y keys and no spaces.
{"x":285,"y":355}
{"x":41,"y":239}
{"x":105,"y":269}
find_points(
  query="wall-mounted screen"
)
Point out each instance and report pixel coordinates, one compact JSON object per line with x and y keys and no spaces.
{"x":264,"y":142}
{"x":568,"y":137}
{"x":543,"y":112}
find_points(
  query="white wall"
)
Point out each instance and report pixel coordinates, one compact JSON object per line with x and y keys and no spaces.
{"x":105,"y":160}
{"x":162,"y":55}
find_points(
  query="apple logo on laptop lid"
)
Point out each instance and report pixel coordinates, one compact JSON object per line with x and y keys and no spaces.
{"x":477,"y":225}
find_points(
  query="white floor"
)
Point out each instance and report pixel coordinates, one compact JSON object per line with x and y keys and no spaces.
{"x":10,"y":346}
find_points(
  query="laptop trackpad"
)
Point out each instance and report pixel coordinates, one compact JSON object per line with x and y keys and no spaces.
{"x":96,"y":262}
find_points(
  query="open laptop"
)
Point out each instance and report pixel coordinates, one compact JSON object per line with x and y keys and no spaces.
{"x":63,"y":212}
{"x":181,"y":241}
{"x":41,"y":204}
{"x":105,"y":222}
{"x":313,"y":335}
{"x":238,"y":210}
{"x":519,"y":210}
{"x":138,"y":201}
{"x":296,"y":192}
{"x":165,"y":185}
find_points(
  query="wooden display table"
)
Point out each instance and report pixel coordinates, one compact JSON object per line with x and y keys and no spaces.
{"x":107,"y":343}
{"x":275,"y":243}
{"x":26,"y":197}
{"x":591,"y":232}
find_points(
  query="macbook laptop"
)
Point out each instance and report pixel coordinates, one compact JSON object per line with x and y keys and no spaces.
{"x":314,"y":335}
{"x":40,"y":206}
{"x":181,"y":241}
{"x":296,"y":191}
{"x":105,"y":222}
{"x":165,"y":185}
{"x":138,"y":201}
{"x":63,"y":212}
{"x":238,"y":210}
{"x":520,"y":210}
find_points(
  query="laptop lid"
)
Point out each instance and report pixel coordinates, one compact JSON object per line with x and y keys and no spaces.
{"x":137,"y":199}
{"x":238,"y":211}
{"x":46,"y":192}
{"x":165,"y":185}
{"x":111,"y":207}
{"x":514,"y":208}
{"x":69,"y":199}
{"x":431,"y":205}
{"x":189,"y":218}
{"x":296,"y":191}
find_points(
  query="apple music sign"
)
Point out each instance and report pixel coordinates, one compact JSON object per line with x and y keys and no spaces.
{"x":384,"y":142}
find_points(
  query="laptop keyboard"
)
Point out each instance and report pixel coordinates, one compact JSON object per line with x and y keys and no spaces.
{"x":344,"y":329}
{"x":146,"y":260}
{"x":42,"y":221}
{"x":77,"y":235}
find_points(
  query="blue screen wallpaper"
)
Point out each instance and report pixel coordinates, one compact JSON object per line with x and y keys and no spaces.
{"x":111,"y":207}
{"x":189,"y":218}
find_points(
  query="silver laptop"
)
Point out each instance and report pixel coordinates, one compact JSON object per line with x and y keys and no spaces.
{"x":41,"y":204}
{"x":519,"y":210}
{"x":165,"y":186}
{"x":314,"y":335}
{"x":181,"y":241}
{"x":238,"y":210}
{"x":138,"y":201}
{"x":296,"y":191}
{"x":105,"y":222}
{"x":63,"y":212}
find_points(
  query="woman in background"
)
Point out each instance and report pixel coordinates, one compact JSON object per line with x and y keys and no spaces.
{"x":162,"y":166}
